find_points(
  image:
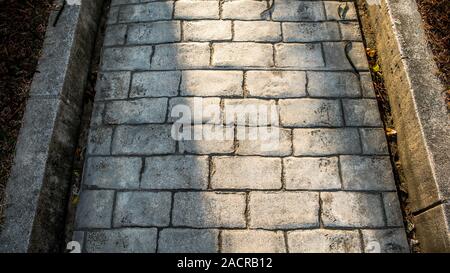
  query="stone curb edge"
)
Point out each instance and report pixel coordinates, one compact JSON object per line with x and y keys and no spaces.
{"x":37,"y":190}
{"x":417,"y":100}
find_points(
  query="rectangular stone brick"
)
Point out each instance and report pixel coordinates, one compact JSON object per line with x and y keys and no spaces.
{"x":188,"y":241}
{"x":374,"y":141}
{"x":244,"y":10}
{"x":318,"y":142}
{"x":155,"y":84}
{"x":257,"y":31}
{"x":310,"y":113}
{"x":351,"y":209}
{"x":252,"y":241}
{"x":333,"y":84}
{"x":350,"y":31}
{"x":284,"y":210}
{"x":175,"y":172}
{"x":124,"y":2}
{"x":251,"y":112}
{"x":146,"y":12}
{"x":368,"y":90}
{"x":324,"y":241}
{"x":246,"y":173}
{"x":276,"y":84}
{"x":336,"y":60}
{"x":208,"y":139}
{"x":115,"y":35}
{"x":310,"y":32}
{"x":127,"y":58}
{"x":182,"y":55}
{"x":298,"y":11}
{"x":127,"y":240}
{"x":113,"y":172}
{"x":264,"y":141}
{"x":332,"y":10}
{"x":113,"y":15}
{"x":94,"y":209}
{"x":207,"y":30}
{"x":242,"y":54}
{"x":99,"y":141}
{"x":362,"y":113}
{"x":367,"y":173}
{"x":113,"y":85}
{"x":143,"y":140}
{"x":196,"y":9}
{"x":212,"y":83}
{"x":389,"y":240}
{"x":154,"y":33}
{"x":312,"y":173}
{"x":209,"y":210}
{"x":201,"y":110}
{"x":136,"y":111}
{"x":299,"y":56}
{"x":97,"y":114}
{"x":142,"y":209}
{"x":392,"y":208}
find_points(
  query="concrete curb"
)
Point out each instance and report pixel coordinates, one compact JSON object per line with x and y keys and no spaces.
{"x":37,"y":190}
{"x":420,"y":115}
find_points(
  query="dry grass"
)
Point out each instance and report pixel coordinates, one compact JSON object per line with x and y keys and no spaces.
{"x":22,"y":30}
{"x":436,"y":18}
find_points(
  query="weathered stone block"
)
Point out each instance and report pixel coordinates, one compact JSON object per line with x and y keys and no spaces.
{"x":242,"y":54}
{"x":207,"y":30}
{"x":310,"y":32}
{"x":136,"y":111}
{"x":324,"y":241}
{"x":246,"y":173}
{"x":284,"y":210}
{"x":351,"y":209}
{"x":333,"y":84}
{"x":252,"y":241}
{"x":316,"y":142}
{"x":311,"y":173}
{"x":127,"y":240}
{"x":188,"y":241}
{"x":95,"y":209}
{"x":300,"y":56}
{"x":113,"y":172}
{"x":175,"y":172}
{"x":143,"y":140}
{"x":212,"y":83}
{"x":142,"y":209}
{"x":154,"y":33}
{"x":127,"y":58}
{"x":181,"y":55}
{"x":257,"y":31}
{"x":276,"y":84}
{"x":310,"y":113}
{"x":209,"y":210}
{"x":155,"y":84}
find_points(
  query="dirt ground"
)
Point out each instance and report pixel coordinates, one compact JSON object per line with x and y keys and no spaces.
{"x":22,"y":31}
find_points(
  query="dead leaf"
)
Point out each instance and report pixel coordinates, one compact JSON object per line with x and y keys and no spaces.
{"x":371,"y":52}
{"x":376,"y":68}
{"x":391,"y":132}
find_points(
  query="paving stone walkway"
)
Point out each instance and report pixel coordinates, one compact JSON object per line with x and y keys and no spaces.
{"x":326,"y":187}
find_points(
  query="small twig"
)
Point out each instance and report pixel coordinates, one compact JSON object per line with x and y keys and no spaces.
{"x":348,"y":47}
{"x":60,"y":11}
{"x":270,"y":9}
{"x":342,"y":11}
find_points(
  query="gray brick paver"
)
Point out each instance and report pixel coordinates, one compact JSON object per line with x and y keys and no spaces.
{"x":320,"y":181}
